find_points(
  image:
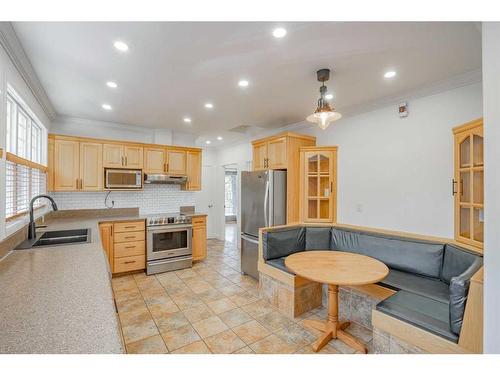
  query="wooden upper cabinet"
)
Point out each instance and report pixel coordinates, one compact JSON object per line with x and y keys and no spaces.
{"x":134,"y":157}
{"x":193,"y":169}
{"x":154,"y":160}
{"x":176,"y":161}
{"x":113,"y":155}
{"x":468,"y":183}
{"x":260,"y":156}
{"x":66,"y":165}
{"x":121,"y":156}
{"x":276,"y":154}
{"x":50,"y":164}
{"x":91,"y":172}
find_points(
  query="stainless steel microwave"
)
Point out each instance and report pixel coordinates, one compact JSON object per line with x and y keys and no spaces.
{"x":122,"y":179}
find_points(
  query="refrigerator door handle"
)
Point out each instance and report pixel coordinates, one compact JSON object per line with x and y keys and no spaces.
{"x":266,"y":205}
{"x":249,"y":239}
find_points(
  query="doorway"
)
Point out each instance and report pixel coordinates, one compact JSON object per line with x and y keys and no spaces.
{"x":231,"y":203}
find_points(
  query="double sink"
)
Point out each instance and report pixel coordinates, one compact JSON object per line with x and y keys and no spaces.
{"x":58,"y":237}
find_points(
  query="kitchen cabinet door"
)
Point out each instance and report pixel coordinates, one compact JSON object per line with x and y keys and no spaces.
{"x":113,"y":156}
{"x":66,"y":165}
{"x":176,"y":161}
{"x":154,"y":160}
{"x":106,"y":232}
{"x":193,"y":170}
{"x":276,"y":154}
{"x":134,"y":157}
{"x":91,"y":170}
{"x":199,"y":243}
{"x":260,"y":156}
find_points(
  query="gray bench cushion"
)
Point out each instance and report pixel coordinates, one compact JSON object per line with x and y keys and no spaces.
{"x":424,"y":286}
{"x":425,"y":313}
{"x":318,"y":238}
{"x":279,"y":263}
{"x":420,"y":257}
{"x":283,"y":242}
{"x":456,"y":261}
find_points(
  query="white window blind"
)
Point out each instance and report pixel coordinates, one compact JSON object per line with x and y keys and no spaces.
{"x":26,"y":139}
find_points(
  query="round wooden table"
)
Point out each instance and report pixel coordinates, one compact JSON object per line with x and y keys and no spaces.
{"x":335,"y":268}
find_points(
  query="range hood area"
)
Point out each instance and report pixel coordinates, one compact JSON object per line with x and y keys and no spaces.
{"x":164,"y":179}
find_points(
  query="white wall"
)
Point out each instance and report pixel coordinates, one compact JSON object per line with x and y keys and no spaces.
{"x":10,"y":75}
{"x":491,"y":93}
{"x":398,"y":171}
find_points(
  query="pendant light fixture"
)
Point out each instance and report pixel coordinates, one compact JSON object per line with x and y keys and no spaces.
{"x":324,"y":114}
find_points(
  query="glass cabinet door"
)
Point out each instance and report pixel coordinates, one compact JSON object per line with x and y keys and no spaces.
{"x":318,"y":182}
{"x":469,"y":175}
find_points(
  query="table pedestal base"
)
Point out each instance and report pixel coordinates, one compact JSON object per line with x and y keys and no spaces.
{"x":332,"y":328}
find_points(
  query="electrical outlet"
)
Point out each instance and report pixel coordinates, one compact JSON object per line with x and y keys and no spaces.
{"x":359,"y":207}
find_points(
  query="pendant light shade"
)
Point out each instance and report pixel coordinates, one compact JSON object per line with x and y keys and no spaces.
{"x":324,"y":114}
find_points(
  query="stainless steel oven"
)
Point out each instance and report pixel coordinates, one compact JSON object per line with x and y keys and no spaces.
{"x":169,"y":244}
{"x":122,"y":179}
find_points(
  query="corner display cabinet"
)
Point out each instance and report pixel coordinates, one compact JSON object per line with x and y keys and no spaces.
{"x":468,"y":183}
{"x":318,"y":177}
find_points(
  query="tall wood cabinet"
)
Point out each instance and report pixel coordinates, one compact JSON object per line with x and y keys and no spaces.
{"x":281,"y":152}
{"x":318,"y":188}
{"x":468,"y":183}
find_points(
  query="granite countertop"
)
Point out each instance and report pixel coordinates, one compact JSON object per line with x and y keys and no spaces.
{"x":59,"y":299}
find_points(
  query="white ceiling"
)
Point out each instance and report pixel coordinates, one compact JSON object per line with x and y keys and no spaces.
{"x":173,"y":68}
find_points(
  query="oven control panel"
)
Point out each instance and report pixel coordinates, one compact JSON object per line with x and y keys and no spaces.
{"x":165,"y":220}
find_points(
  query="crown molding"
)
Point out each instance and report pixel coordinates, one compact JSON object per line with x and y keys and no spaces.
{"x":12,"y":46}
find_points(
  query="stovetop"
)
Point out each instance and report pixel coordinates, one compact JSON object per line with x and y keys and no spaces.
{"x":168,"y":219}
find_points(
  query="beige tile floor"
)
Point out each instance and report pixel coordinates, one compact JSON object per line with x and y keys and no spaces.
{"x":212,"y":308}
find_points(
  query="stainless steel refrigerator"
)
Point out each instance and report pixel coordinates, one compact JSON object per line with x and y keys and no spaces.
{"x":263,"y":204}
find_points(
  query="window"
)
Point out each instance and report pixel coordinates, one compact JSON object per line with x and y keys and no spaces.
{"x":25,"y":145}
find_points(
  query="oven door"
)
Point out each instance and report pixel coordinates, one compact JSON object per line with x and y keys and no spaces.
{"x":169,"y":241}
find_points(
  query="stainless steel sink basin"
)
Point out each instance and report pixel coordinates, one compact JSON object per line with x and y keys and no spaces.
{"x":58,"y":238}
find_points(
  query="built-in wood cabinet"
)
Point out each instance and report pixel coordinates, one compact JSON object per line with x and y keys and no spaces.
{"x":318,"y":175}
{"x":176,"y":161}
{"x":125,"y":245}
{"x":77,"y":163}
{"x":281,"y":151}
{"x":155,"y":160}
{"x":77,"y":166}
{"x":121,"y":156}
{"x":193,"y":170}
{"x":468,"y":183}
{"x":199,"y":243}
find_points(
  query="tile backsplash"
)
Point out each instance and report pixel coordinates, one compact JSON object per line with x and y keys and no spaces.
{"x":153,"y":199}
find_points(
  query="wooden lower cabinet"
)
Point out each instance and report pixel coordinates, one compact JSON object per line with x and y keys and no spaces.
{"x":199,"y":243}
{"x":125,"y":245}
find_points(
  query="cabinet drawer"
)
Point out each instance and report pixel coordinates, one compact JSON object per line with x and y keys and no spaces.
{"x":133,"y":263}
{"x":132,"y":226}
{"x":198,"y":221}
{"x":126,"y":249}
{"x":130,"y":236}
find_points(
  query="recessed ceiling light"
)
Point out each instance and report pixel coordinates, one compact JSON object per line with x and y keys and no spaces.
{"x":279,"y":32}
{"x":111,"y":84}
{"x":121,"y":46}
{"x":107,"y":107}
{"x":187,"y":119}
{"x":390,"y":74}
{"x":208,"y":142}
{"x":329,"y":96}
{"x":243,"y":83}
{"x":209,"y":105}
{"x":219,"y":138}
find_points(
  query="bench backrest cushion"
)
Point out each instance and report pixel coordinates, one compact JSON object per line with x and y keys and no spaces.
{"x":456,"y":261}
{"x":283,"y":242}
{"x":318,"y":238}
{"x":405,"y":254}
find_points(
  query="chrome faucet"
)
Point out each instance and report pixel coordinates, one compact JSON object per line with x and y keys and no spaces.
{"x":31,"y":225}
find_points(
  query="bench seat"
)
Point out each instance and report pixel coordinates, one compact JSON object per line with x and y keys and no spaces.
{"x":424,"y":286}
{"x":423,"y":312}
{"x":280,"y":264}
